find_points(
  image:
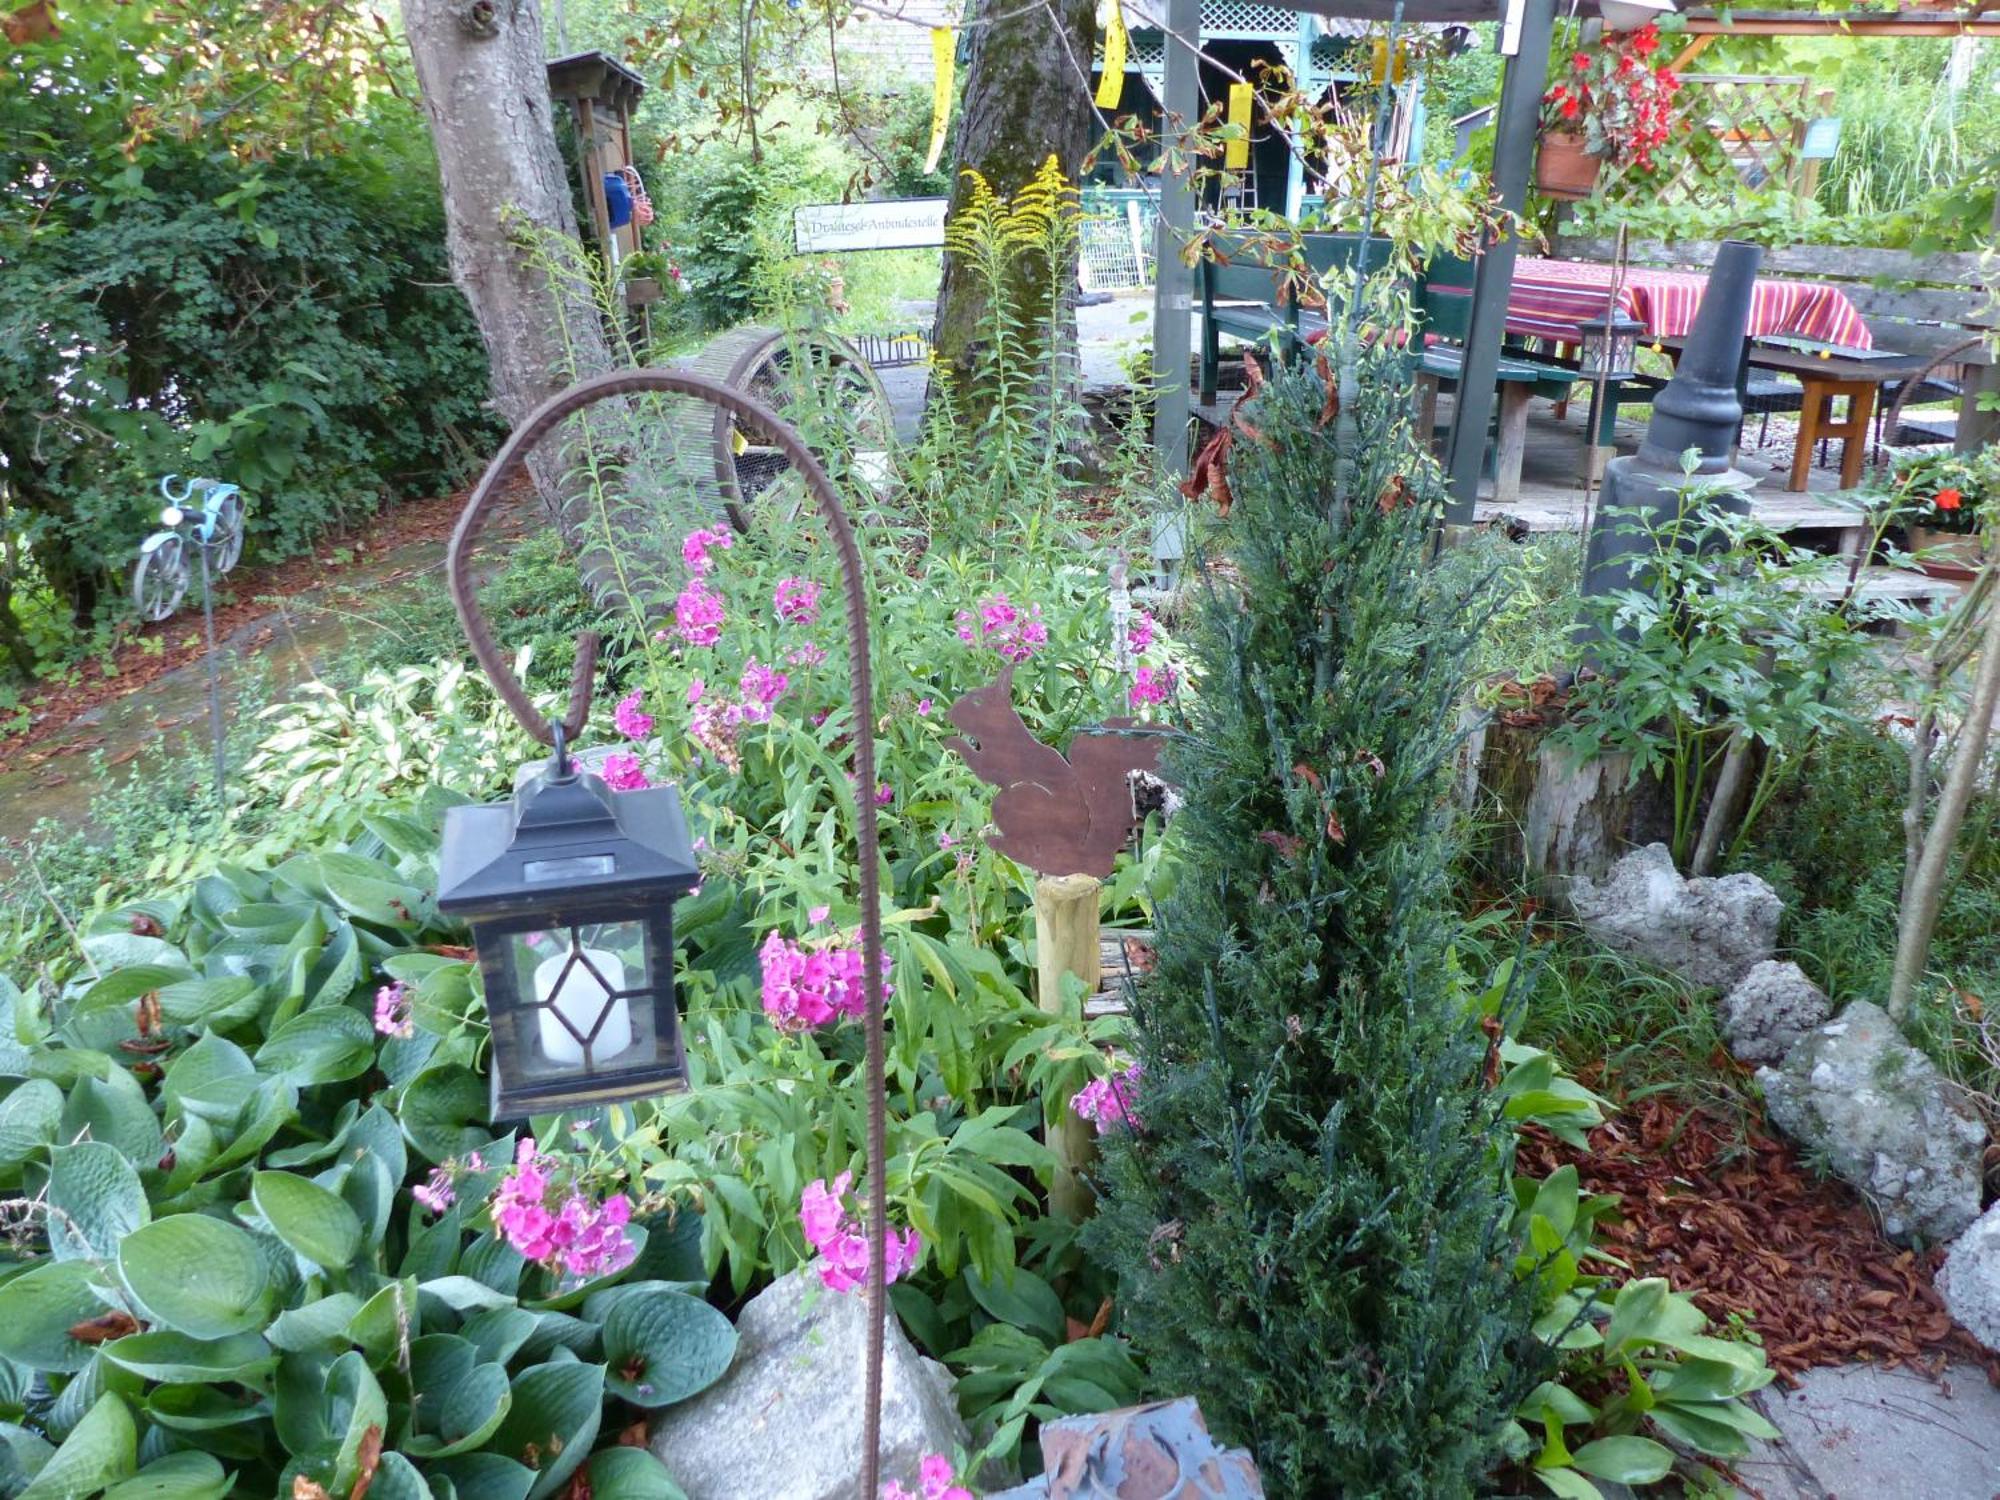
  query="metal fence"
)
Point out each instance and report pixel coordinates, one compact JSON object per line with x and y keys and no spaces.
{"x":1116,"y":239}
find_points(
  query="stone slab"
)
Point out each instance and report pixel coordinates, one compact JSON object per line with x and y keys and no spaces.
{"x":1860,"y":1432}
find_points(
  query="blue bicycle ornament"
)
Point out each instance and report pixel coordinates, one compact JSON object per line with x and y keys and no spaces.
{"x":207,"y":515}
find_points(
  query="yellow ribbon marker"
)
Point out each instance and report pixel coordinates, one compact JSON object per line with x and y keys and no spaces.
{"x":1111,"y":87}
{"x":1236,"y":153}
{"x":944,"y":57}
{"x":1379,"y":62}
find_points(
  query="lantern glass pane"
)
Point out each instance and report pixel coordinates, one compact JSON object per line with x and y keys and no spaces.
{"x":586,"y":998}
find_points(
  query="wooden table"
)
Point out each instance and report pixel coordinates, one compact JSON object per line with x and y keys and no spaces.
{"x":1827,"y":377}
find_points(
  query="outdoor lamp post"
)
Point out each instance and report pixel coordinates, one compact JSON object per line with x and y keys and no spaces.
{"x":569,"y":889}
{"x":1610,"y":347}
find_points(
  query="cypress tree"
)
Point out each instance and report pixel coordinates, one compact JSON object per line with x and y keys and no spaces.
{"x":1309,"y":1223}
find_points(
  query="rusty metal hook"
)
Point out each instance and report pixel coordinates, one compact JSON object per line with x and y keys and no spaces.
{"x":786,"y":439}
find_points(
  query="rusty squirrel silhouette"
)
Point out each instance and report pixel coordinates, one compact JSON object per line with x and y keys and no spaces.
{"x":1057,"y":815}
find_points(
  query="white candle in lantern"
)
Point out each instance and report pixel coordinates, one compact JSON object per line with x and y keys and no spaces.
{"x":581,"y":998}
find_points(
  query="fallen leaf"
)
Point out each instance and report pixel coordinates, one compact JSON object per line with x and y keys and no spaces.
{"x":369,"y":1457}
{"x":103,"y":1328}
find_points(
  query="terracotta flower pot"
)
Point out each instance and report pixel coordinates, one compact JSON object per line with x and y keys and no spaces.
{"x":1948,"y":554}
{"x":1563,"y":169}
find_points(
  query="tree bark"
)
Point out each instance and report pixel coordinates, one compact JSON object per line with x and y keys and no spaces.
{"x":483,"y":73}
{"x":1026,"y":97}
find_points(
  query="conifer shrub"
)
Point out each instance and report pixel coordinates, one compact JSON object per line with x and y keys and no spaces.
{"x":1308,"y":1220}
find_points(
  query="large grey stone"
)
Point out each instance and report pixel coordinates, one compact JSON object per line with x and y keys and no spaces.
{"x":1860,"y":1432}
{"x":1876,"y":1111}
{"x":1770,"y":1008}
{"x":1970,"y":1279}
{"x":785,"y":1422}
{"x":1710,"y":931}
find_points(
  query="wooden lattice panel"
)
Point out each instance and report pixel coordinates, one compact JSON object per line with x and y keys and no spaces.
{"x":1755,"y":123}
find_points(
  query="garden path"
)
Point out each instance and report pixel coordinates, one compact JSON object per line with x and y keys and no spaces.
{"x":1861,"y":1430}
{"x":276,"y":627}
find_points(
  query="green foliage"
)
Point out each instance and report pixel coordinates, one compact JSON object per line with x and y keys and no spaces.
{"x":1308,"y":1226}
{"x":1717,"y":636}
{"x":233,"y":1199}
{"x":286,"y":324}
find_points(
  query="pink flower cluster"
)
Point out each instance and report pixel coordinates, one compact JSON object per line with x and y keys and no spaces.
{"x":698,"y":614}
{"x":761,"y":686}
{"x":935,"y":1481}
{"x":1139,"y":634}
{"x":1002,"y":626}
{"x":623,"y":773}
{"x":392,"y":1011}
{"x":695,"y":545}
{"x":796,"y":600}
{"x":630,"y":718}
{"x":836,"y":1232}
{"x":579,"y":1236}
{"x":1108,"y":1102}
{"x":1151,"y":685}
{"x":809,"y":987}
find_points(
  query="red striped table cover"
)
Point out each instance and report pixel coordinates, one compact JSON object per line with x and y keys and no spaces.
{"x":1550,"y":297}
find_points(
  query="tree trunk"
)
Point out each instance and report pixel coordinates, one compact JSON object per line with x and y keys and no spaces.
{"x":483,"y":73}
{"x":1026,"y":97}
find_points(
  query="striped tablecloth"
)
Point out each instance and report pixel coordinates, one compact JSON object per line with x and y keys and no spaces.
{"x":1550,"y":297}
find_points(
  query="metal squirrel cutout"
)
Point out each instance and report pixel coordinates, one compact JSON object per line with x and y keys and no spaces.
{"x":1056,"y":815}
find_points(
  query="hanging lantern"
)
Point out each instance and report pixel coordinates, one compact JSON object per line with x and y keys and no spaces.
{"x":569,"y":889}
{"x":1610,"y":348}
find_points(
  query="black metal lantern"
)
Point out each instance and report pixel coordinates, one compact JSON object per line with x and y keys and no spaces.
{"x":1610,"y":347}
{"x":569,"y":889}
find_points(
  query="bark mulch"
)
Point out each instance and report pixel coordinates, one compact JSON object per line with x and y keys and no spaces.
{"x":1725,"y":1212}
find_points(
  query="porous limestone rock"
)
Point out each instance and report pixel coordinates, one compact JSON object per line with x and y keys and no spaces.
{"x":1879,"y":1115}
{"x":1970,"y":1279}
{"x":786,"y":1419}
{"x":1770,"y":1008}
{"x":1710,"y":931}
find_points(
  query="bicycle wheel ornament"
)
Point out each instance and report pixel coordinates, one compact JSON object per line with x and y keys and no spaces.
{"x":160,"y":581}
{"x":227,"y":537}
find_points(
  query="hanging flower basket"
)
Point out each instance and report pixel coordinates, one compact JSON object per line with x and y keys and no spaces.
{"x":1563,"y":169}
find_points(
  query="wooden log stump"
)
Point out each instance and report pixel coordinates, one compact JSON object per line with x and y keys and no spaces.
{"x":1066,"y":942}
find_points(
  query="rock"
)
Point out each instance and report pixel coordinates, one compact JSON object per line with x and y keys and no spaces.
{"x":1970,"y":1280}
{"x":786,"y":1420}
{"x":1160,"y":1451}
{"x":1861,"y":1430}
{"x":1769,"y":1010}
{"x":1710,"y":931}
{"x":1875,"y":1109}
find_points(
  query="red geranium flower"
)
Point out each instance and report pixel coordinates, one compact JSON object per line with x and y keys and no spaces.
{"x":1571,"y":109}
{"x":1949,"y":499}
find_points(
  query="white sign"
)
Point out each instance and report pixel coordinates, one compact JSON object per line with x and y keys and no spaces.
{"x":1822,"y":140}
{"x":898,"y":224}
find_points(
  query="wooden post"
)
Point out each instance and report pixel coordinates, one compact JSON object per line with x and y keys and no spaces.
{"x":1066,"y":943}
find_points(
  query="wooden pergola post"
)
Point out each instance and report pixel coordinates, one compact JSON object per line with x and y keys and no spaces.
{"x":1173,"y":278}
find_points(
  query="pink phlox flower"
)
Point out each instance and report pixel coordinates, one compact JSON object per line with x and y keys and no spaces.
{"x":713,"y":727}
{"x":833,"y":1229}
{"x":392,"y":1011}
{"x":1151,"y":685}
{"x":945,"y":841}
{"x":811,"y":654}
{"x":796,"y":600}
{"x":698,"y":614}
{"x":1139,"y":634}
{"x":808,"y":987}
{"x":1004,"y":627}
{"x":818,"y":914}
{"x":695,"y":545}
{"x":582,"y":1238}
{"x":762,"y":686}
{"x":1110,"y":1102}
{"x":936,"y":1480}
{"x":894,"y":1490}
{"x":695,"y":689}
{"x":924,"y":706}
{"x":884,"y":794}
{"x":436,"y":1192}
{"x":630,"y":719}
{"x":592,"y":1236}
{"x":623,"y":773}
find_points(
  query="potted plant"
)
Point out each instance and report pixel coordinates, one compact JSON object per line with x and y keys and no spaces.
{"x":1614,"y":103}
{"x":1950,"y":502}
{"x":645,"y":275}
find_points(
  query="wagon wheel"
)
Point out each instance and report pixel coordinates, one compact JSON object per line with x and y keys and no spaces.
{"x":228,"y":534}
{"x":791,"y":374}
{"x":161,"y":579}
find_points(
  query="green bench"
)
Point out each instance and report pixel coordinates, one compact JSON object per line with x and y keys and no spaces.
{"x":1444,"y":303}
{"x":1239,"y":294}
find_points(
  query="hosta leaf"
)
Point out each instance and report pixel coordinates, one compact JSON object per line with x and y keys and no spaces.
{"x":368,"y":889}
{"x":1624,"y":1460}
{"x":354,"y":1403}
{"x":115,"y":1110}
{"x":318,"y":1326}
{"x":443,"y":1112}
{"x":28,"y":1120}
{"x":386,"y":1321}
{"x":465,"y":1416}
{"x":460,"y":1293}
{"x":554,"y":1416}
{"x":500,"y":1333}
{"x":320,"y":1046}
{"x":666,"y":1347}
{"x":174,"y":1358}
{"x":630,"y":1474}
{"x":397,"y":1479}
{"x":484,"y":1476}
{"x":37,"y":1310}
{"x":210,"y":1058}
{"x":95,"y":1200}
{"x":198,"y":1275}
{"x":103,"y":1448}
{"x":310,"y":1220}
{"x":178,"y":1476}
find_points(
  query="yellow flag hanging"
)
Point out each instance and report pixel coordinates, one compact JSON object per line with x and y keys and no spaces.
{"x":1236,"y":153}
{"x":1111,"y":87}
{"x":944,"y":57}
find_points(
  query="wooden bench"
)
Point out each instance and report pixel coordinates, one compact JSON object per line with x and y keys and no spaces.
{"x":1918,"y":307}
{"x":1240,"y":286}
